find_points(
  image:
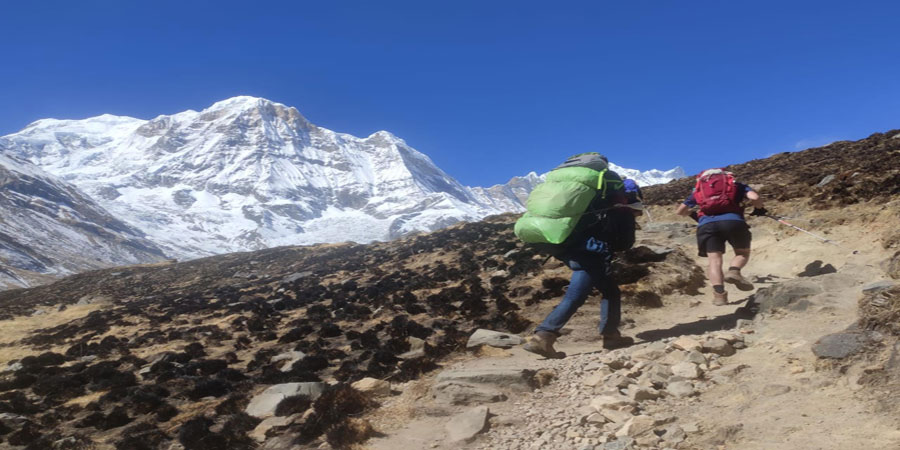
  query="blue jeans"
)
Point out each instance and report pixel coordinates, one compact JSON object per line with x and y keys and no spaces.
{"x":591,"y":267}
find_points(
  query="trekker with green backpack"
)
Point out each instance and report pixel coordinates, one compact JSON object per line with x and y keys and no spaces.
{"x":580,"y":215}
{"x":720,"y":219}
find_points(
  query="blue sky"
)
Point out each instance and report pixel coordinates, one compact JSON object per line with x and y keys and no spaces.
{"x":488,"y":89}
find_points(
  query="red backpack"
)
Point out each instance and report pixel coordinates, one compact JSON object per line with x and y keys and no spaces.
{"x":716,"y":193}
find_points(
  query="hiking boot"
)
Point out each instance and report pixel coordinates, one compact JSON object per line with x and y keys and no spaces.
{"x":734,"y":277}
{"x":720,"y":299}
{"x":542,"y":344}
{"x":614,"y":340}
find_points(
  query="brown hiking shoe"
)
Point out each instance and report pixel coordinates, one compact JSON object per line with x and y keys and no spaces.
{"x":615,"y":340}
{"x":542,"y":344}
{"x":720,"y":299}
{"x":734,"y":277}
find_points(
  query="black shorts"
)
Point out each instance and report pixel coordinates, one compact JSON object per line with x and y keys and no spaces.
{"x":712,"y":236}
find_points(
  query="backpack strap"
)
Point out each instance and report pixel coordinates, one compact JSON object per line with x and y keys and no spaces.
{"x":601,"y":182}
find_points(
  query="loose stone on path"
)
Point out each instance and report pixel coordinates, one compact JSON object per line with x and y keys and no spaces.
{"x":465,"y":426}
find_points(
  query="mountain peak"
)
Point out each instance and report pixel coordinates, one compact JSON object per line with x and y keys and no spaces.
{"x":95,"y":124}
{"x":243,"y":102}
{"x":385,"y":136}
{"x":649,"y":177}
{"x":245,"y":105}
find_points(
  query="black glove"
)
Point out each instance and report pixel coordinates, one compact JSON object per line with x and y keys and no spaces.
{"x":694,"y":216}
{"x":759,"y":212}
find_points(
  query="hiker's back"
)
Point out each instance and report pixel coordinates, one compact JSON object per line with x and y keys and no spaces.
{"x":578,"y":200}
{"x":716,"y":193}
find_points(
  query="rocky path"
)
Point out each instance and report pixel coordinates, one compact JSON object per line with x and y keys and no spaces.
{"x":740,"y":376}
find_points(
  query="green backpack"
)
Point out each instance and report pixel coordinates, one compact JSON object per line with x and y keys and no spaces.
{"x":555,"y":206}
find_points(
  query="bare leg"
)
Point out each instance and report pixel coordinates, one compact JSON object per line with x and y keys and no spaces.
{"x":741,"y":257}
{"x":715,"y":268}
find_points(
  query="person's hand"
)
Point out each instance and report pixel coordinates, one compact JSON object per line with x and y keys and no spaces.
{"x":595,"y":245}
{"x":759,"y":212}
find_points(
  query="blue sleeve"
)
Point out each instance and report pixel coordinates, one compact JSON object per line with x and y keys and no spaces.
{"x":690,"y":201}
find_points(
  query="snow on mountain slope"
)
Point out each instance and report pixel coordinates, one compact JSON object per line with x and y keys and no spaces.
{"x":49,"y":229}
{"x":512,"y":195}
{"x":649,"y":177}
{"x":247,"y":173}
{"x":509,"y":197}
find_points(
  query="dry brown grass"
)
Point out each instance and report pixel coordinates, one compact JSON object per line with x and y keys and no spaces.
{"x":880,"y":311}
{"x":188,"y":412}
{"x":85,"y":399}
{"x":19,"y":328}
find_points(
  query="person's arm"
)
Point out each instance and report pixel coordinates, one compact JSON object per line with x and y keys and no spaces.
{"x":756,"y":201}
{"x":685,"y":210}
{"x":754,"y":198}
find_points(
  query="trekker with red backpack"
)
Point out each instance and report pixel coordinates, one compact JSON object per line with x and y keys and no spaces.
{"x":720,"y":219}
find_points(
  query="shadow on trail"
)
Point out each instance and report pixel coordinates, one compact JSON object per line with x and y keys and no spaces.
{"x":726,"y":322}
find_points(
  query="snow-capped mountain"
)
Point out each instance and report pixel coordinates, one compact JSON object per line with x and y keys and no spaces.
{"x":49,"y":229}
{"x":509,"y":197}
{"x":649,"y":177}
{"x":247,"y":173}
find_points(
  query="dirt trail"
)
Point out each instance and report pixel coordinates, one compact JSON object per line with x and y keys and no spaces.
{"x":778,"y":397}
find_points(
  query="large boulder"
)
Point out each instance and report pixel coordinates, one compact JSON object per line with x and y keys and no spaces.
{"x":459,"y":393}
{"x":493,"y":339}
{"x":681,"y":389}
{"x":615,"y":401}
{"x":465,"y":426}
{"x":259,"y":433}
{"x":512,"y":378}
{"x":687,"y":370}
{"x":686,"y":343}
{"x":651,"y":352}
{"x":636,"y":426}
{"x":792,"y":294}
{"x":839,"y":345}
{"x":373,"y":387}
{"x":474,"y":386}
{"x":263,"y":405}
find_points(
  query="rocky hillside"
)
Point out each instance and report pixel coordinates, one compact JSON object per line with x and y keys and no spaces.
{"x":163,"y":344}
{"x":49,"y":229}
{"x":841,"y":173}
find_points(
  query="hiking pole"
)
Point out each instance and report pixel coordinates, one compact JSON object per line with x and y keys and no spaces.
{"x":823,"y":239}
